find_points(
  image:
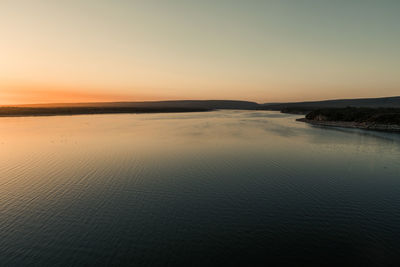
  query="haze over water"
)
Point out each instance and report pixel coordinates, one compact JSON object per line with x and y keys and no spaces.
{"x":219,"y":187}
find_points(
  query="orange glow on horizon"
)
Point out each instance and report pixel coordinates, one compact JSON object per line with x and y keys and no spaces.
{"x":24,"y":94}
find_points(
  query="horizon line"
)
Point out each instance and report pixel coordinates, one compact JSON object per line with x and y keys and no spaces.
{"x":182,"y":100}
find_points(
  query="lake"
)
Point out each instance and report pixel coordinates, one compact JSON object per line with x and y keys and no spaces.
{"x":196,"y":189}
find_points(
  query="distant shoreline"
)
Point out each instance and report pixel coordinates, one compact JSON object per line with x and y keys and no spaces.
{"x":354,"y":125}
{"x":70,"y":111}
{"x":377,"y":119}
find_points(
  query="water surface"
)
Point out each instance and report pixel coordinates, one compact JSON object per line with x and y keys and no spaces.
{"x":224,"y":187}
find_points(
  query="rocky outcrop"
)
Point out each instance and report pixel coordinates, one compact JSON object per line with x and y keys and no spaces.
{"x":358,"y":125}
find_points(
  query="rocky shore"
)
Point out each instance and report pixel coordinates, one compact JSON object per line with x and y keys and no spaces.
{"x":378,"y":119}
{"x":358,"y":125}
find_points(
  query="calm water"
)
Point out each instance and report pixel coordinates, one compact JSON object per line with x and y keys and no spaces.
{"x":210,"y":188}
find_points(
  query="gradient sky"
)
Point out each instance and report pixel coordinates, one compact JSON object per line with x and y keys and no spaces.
{"x":265,"y":51}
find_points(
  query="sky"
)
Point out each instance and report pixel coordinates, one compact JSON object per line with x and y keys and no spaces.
{"x":263,"y":51}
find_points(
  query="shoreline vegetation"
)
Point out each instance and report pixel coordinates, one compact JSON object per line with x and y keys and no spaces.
{"x":174,"y":106}
{"x":67,"y":111}
{"x":382,"y":114}
{"x":344,"y":124}
{"x":378,"y":119}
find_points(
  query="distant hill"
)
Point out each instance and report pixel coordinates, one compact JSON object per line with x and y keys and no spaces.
{"x":201,"y":104}
{"x":125,"y":107}
{"x":383,"y":102}
{"x":181,"y":105}
{"x":23,"y":111}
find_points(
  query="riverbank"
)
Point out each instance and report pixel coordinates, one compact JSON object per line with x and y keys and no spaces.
{"x":378,"y":119}
{"x":66,"y":111}
{"x":346,"y":124}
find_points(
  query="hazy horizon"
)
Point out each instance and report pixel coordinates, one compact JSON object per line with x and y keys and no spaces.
{"x":178,"y":100}
{"x":270,"y":51}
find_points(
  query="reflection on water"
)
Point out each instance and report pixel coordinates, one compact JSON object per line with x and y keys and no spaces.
{"x":220,"y":187}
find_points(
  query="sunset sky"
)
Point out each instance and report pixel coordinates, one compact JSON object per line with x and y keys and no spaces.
{"x":264,"y":51}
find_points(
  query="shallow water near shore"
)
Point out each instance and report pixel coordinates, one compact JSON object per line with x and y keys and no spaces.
{"x":223,"y":187}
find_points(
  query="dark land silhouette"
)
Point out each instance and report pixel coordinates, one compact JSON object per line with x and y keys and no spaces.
{"x":202,"y":104}
{"x":384,"y":119}
{"x":82,"y":110}
{"x":305,"y":107}
{"x":367,"y":113}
